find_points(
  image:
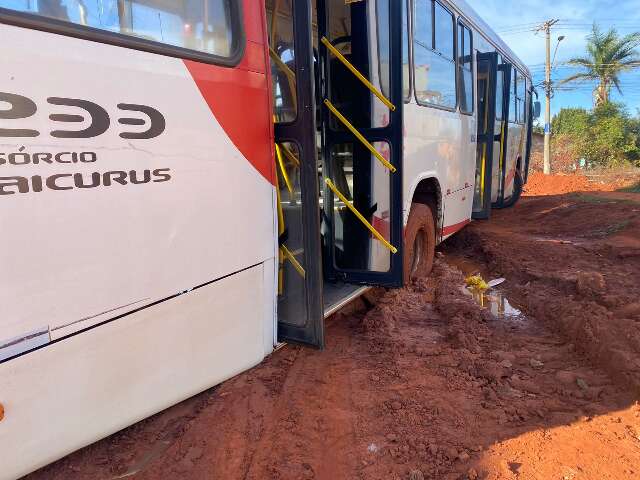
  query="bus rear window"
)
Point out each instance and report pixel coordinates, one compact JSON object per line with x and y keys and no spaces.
{"x":206,"y":26}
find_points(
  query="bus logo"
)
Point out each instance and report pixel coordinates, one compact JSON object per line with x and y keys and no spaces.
{"x":21,"y":107}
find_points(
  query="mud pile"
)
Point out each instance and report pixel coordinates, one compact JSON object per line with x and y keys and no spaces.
{"x":572,"y":262}
{"x":420,"y":383}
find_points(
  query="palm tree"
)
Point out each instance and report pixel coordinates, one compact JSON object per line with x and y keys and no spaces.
{"x":608,"y":55}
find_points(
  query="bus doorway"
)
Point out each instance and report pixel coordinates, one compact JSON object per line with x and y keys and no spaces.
{"x":487,"y":151}
{"x":337,"y":88}
{"x":300,"y":306}
{"x":361,"y":141}
{"x":503,"y":113}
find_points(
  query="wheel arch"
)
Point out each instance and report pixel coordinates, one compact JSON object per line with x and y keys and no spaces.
{"x":427,"y":189}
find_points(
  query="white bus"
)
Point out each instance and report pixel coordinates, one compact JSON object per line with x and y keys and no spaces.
{"x":186,"y":183}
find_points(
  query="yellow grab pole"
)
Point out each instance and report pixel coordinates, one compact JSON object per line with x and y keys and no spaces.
{"x":360,"y":77}
{"x":291,"y":257}
{"x":281,"y":229}
{"x":287,"y":181}
{"x":364,"y":221}
{"x":359,"y":136}
{"x":283,"y":66}
{"x":284,"y":252}
{"x":290,"y":155}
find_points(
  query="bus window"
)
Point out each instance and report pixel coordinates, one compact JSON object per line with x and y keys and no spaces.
{"x":282,"y":54}
{"x":292,"y":307}
{"x":361,"y":32}
{"x":201,"y":25}
{"x":364,"y":181}
{"x":499,"y":94}
{"x":406,"y":70}
{"x":434,"y":62}
{"x":444,"y":38}
{"x":465,"y":66}
{"x":521,"y":98}
{"x":382,"y":19}
{"x":514,"y":100}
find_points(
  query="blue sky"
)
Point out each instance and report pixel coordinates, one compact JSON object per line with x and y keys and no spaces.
{"x":514,"y":21}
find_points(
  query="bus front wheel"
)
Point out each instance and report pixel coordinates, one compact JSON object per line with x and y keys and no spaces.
{"x":420,"y":242}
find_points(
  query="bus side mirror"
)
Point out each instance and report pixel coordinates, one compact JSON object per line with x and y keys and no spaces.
{"x":537,"y":109}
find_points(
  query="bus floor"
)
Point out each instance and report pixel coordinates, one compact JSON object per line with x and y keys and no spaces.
{"x":337,"y":294}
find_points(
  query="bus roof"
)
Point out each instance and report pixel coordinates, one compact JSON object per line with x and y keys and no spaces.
{"x":484,"y":29}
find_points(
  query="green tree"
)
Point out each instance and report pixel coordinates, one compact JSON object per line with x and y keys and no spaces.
{"x":570,"y":135}
{"x":571,"y":121}
{"x":607,"y":136}
{"x":612,"y":140}
{"x":608,"y":55}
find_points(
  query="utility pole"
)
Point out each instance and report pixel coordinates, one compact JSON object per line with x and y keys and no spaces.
{"x":546,"y":26}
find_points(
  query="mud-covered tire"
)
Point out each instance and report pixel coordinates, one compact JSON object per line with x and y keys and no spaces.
{"x":518,"y":184}
{"x":419,"y":242}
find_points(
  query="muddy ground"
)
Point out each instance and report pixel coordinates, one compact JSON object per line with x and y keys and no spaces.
{"x":424,"y":383}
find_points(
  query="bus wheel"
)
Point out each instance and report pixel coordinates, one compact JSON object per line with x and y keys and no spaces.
{"x":517,"y":192}
{"x":419,"y":243}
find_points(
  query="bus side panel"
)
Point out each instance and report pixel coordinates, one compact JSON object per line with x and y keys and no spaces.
{"x":76,"y":391}
{"x":440,"y":144}
{"x":98,"y":226}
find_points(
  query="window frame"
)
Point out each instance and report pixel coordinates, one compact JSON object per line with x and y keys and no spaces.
{"x":433,"y":37}
{"x":462,"y":23}
{"x":521,"y":117}
{"x":513,"y":97}
{"x":82,"y":32}
{"x":409,"y":46}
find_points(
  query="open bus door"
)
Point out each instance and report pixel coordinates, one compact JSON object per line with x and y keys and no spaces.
{"x":361,"y":55}
{"x":487,"y":65}
{"x":503,"y":105}
{"x":300,"y":306}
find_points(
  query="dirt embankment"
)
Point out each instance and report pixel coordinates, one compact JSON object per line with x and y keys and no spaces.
{"x":423,"y":383}
{"x":539,"y":184}
{"x":573,"y":261}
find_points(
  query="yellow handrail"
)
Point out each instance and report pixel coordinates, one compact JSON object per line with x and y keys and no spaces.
{"x":283,"y":66}
{"x":359,"y":136}
{"x":360,"y":77}
{"x":290,"y":155}
{"x":291,"y":257}
{"x":291,"y":77}
{"x":281,"y":230}
{"x":283,"y":251}
{"x":364,"y":221}
{"x":287,"y":181}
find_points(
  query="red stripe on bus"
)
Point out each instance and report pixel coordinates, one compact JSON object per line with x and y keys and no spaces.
{"x":451,"y":229}
{"x":239,"y":99}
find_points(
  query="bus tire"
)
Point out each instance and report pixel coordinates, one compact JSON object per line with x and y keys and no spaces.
{"x":517,"y":192}
{"x":420,"y":242}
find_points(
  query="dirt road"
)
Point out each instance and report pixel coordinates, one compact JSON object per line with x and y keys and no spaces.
{"x":541,"y":383}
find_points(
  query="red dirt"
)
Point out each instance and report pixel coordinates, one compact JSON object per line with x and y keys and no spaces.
{"x":539,"y":184}
{"x":425,"y":384}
